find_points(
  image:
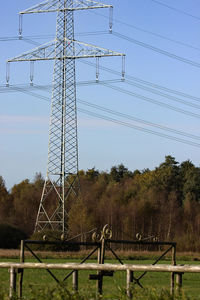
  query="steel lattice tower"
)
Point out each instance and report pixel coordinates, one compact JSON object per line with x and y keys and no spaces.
{"x":62,"y":182}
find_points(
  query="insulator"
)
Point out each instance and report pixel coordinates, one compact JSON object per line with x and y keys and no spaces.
{"x":123,"y":67}
{"x":20,"y":26}
{"x":31,"y":72}
{"x":7,"y":73}
{"x":111,"y":19}
{"x":97,"y":69}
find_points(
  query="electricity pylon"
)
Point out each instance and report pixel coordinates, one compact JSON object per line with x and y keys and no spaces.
{"x":62,"y":182}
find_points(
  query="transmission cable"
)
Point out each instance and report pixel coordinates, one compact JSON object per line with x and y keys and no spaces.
{"x":158,"y":50}
{"x":140,"y":86}
{"x":17,"y":38}
{"x":148,"y":32}
{"x":128,"y":117}
{"x":132,"y":78}
{"x":139,"y":43}
{"x":163,"y":37}
{"x":138,"y":96}
{"x":20,"y":88}
{"x":138,"y":128}
{"x":46,"y":87}
{"x":114,"y":112}
{"x":29,"y":38}
{"x":149,"y":83}
{"x":170,"y":97}
{"x":176,"y":9}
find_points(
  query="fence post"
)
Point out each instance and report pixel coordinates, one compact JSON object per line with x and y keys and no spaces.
{"x":174,"y":264}
{"x":99,"y":281}
{"x":172,"y":284}
{"x":21,"y":271}
{"x":174,"y":255}
{"x":101,"y":256}
{"x":13,"y":278}
{"x":75,"y":280}
{"x":179,"y":281}
{"x":129,"y":280}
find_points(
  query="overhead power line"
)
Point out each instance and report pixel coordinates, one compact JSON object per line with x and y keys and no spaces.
{"x":47,"y":87}
{"x":130,"y":117}
{"x":108,"y":84}
{"x":154,"y":85}
{"x":129,"y":80}
{"x":46,"y":36}
{"x":12,"y":88}
{"x":106,"y":32}
{"x":138,"y":96}
{"x":139,"y":128}
{"x":176,"y":9}
{"x":158,"y":50}
{"x":162,"y":37}
{"x":157,"y":92}
{"x":17,"y":38}
{"x":148,"y":32}
{"x":126,"y":116}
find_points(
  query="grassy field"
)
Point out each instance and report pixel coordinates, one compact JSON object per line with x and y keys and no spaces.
{"x":113,"y":288}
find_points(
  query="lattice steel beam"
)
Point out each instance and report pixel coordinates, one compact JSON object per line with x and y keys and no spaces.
{"x":62,"y":182}
{"x":53,"y":6}
{"x":74,"y":49}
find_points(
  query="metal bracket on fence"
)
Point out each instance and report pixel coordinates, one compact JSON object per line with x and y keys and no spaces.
{"x":103,"y":273}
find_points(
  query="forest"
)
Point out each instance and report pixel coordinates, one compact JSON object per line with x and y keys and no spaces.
{"x":163,"y":203}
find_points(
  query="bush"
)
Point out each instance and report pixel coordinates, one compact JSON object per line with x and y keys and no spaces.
{"x":51,"y":236}
{"x":62,"y":293}
{"x":57,"y":293}
{"x":10,"y":236}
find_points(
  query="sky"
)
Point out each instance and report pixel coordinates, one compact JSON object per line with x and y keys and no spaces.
{"x":162,"y":46}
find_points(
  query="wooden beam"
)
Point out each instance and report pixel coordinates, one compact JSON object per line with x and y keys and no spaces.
{"x":129,"y":280}
{"x":104,"y":267}
{"x":13,"y":279}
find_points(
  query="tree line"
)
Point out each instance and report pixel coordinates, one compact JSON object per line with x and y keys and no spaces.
{"x":162,"y":203}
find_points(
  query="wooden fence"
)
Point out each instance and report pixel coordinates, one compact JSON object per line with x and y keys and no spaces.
{"x":101,"y":243}
{"x":178,"y":270}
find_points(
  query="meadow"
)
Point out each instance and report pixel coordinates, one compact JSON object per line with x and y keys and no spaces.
{"x":38,"y":284}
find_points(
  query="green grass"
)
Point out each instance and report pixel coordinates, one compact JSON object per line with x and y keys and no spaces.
{"x":38,"y":282}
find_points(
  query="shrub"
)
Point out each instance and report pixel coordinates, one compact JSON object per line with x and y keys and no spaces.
{"x":52,"y":236}
{"x":10,"y":236}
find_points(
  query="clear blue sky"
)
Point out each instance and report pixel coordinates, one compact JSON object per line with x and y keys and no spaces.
{"x":24,"y":120}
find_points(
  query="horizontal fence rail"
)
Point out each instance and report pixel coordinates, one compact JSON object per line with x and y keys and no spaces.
{"x":105,"y":267}
{"x":177,"y":270}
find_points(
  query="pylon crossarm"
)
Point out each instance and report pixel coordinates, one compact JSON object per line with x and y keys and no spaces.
{"x":87,"y":4}
{"x":54,"y":6}
{"x":84,"y":50}
{"x":74,"y":50}
{"x":47,"y":6}
{"x":43,"y":52}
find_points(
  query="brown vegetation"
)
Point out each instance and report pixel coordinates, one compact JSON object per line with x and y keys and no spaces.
{"x":163,"y":203}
